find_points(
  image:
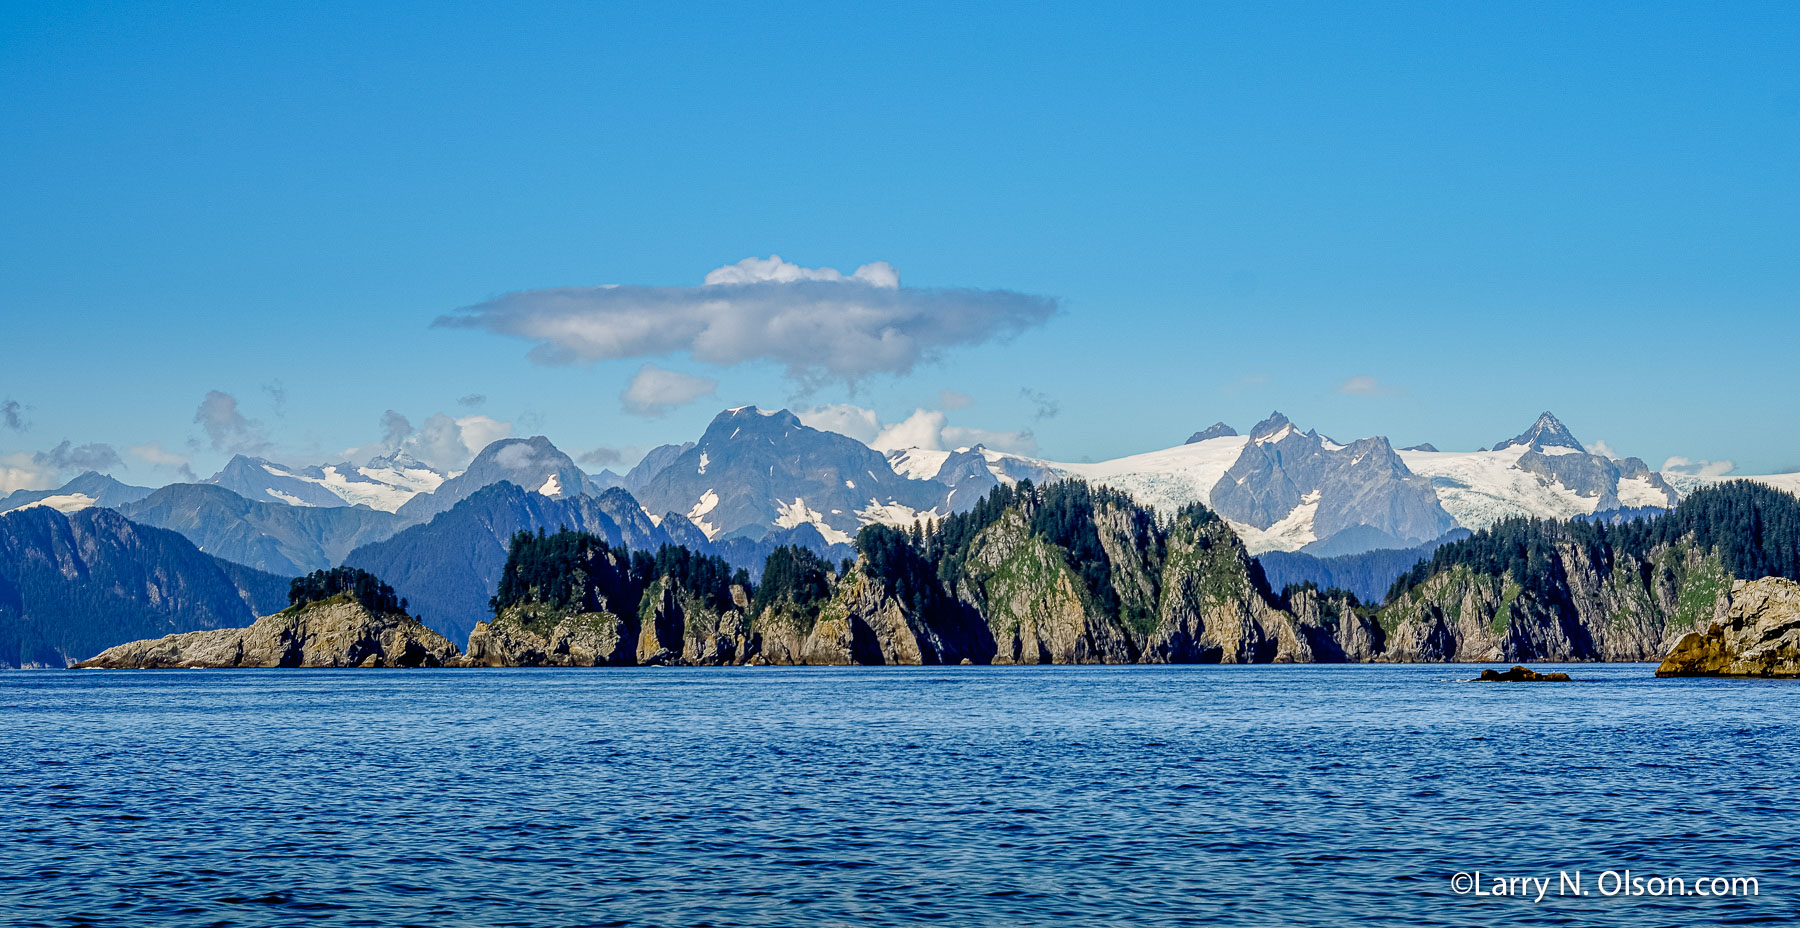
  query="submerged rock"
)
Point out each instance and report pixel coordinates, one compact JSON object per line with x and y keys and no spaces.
{"x":1522,"y":675}
{"x":1755,"y":633}
{"x":337,"y":632}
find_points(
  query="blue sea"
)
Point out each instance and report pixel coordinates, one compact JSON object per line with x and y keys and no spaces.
{"x":1284,"y":795}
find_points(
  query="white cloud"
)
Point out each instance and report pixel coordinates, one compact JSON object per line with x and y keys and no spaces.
{"x":445,"y":442}
{"x":1605,"y":450}
{"x":1020,"y":442}
{"x":1364,"y":385}
{"x":924,"y":428}
{"x":654,"y":391}
{"x":1681,"y":465}
{"x":21,"y":471}
{"x":816,"y":322}
{"x":228,"y":429}
{"x":774,"y":270}
{"x":952,"y":399}
{"x":155,"y":455}
{"x":42,"y":470}
{"x":451,"y":443}
{"x":844,"y":419}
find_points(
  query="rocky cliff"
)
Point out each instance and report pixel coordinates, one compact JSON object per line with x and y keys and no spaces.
{"x":337,"y":632}
{"x":1755,"y":632}
{"x":1578,"y":607}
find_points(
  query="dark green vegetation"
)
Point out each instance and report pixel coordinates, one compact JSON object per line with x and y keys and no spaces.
{"x":572,"y":572}
{"x":794,"y":581}
{"x":1754,"y":530}
{"x":358,"y":586}
{"x":1055,"y":572}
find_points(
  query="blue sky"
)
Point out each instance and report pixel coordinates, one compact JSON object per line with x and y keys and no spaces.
{"x":1472,"y":212}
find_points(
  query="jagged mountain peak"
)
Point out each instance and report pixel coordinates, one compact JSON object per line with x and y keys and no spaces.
{"x":1547,"y":432}
{"x":1216,"y":430}
{"x":1270,"y":427}
{"x":398,"y":459}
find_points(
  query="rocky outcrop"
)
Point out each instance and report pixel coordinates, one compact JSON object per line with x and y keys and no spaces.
{"x":1755,"y":633}
{"x":711,"y":639}
{"x":337,"y":632}
{"x":1036,"y":608}
{"x":1521,"y":675}
{"x":1210,"y":612}
{"x":1335,"y":628}
{"x":1629,"y":609}
{"x":527,"y":636}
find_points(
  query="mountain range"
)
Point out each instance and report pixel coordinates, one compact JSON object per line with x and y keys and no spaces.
{"x":1352,"y":514}
{"x":754,"y":473}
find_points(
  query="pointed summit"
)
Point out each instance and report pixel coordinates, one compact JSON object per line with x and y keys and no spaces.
{"x":1547,"y":432}
{"x":1216,"y":430}
{"x":1270,"y":426}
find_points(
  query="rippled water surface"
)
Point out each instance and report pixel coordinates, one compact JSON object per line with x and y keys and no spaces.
{"x":1322,"y":795}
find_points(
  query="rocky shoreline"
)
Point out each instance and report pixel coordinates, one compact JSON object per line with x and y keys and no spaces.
{"x":1755,"y":633}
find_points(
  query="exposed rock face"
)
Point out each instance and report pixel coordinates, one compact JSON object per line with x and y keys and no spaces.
{"x":334,"y":633}
{"x":753,"y":469}
{"x":1209,"y":613}
{"x":1628,"y":611}
{"x":1363,"y":486}
{"x":1755,"y":633}
{"x":662,"y":629}
{"x":1334,"y":628}
{"x":709,"y":639}
{"x":1547,"y":432}
{"x":778,"y":636}
{"x":1592,"y":475}
{"x":527,"y":637}
{"x":1216,"y":430}
{"x":1036,"y":608}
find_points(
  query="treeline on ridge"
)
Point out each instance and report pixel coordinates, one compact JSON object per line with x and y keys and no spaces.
{"x":1755,"y":531}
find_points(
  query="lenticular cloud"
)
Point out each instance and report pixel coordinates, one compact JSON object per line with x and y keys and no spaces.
{"x":816,"y":322}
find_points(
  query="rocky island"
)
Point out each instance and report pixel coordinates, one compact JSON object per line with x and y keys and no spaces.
{"x":337,"y":618}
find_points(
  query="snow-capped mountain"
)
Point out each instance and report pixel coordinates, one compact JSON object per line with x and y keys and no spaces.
{"x":532,"y":463}
{"x":755,"y":470}
{"x":1544,"y":473}
{"x":1287,"y":490}
{"x":84,"y":492}
{"x":385,"y":483}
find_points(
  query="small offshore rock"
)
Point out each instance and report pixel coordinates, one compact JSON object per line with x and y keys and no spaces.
{"x":1519,"y":674}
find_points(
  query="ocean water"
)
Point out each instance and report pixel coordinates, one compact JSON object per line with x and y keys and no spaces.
{"x":1289,"y":795}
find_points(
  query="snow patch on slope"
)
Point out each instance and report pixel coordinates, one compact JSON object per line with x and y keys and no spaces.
{"x":1479,"y":488}
{"x":1167,"y":479}
{"x":697,"y":515}
{"x":796,"y":513}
